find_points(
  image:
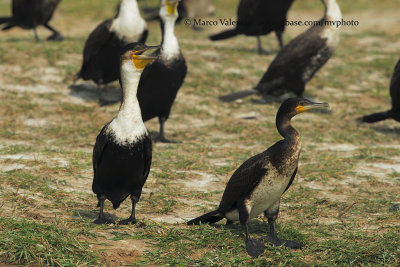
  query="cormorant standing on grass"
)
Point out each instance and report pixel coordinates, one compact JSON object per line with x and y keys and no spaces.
{"x":299,"y":60}
{"x":259,"y":17}
{"x":162,"y":79}
{"x":28,"y":14}
{"x":394,"y":112}
{"x":123,"y":150}
{"x":101,"y":53}
{"x":257,"y":185}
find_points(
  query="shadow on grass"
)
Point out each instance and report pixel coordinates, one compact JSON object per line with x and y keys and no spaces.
{"x":105,"y":95}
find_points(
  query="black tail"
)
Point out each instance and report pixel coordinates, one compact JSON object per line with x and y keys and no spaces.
{"x":237,"y":95}
{"x":375,"y":117}
{"x":210,"y":217}
{"x":224,"y":35}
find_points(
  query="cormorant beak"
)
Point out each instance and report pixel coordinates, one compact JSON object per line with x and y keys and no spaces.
{"x":310,"y":106}
{"x":172,"y":7}
{"x":141,"y":61}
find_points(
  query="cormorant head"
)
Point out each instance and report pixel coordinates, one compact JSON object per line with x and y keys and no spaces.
{"x":293,"y":106}
{"x":133,"y":55}
{"x":169,"y":8}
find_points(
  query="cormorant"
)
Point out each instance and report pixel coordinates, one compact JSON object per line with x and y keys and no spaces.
{"x":259,"y":17}
{"x":29,"y":14}
{"x":123,"y":150}
{"x":101,"y":52}
{"x":257,"y":185}
{"x":394,"y":112}
{"x":300,"y":59}
{"x":186,"y":9}
{"x":162,"y":79}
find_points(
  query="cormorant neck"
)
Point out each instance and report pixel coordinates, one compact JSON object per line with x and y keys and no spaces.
{"x":128,"y":24}
{"x":170,"y":45}
{"x":285,"y":128}
{"x":130,"y":78}
{"x":332,"y":11}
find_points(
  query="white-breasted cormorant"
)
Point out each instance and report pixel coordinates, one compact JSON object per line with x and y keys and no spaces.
{"x":259,"y":17}
{"x":29,"y":14}
{"x":300,"y":59}
{"x":394,"y":112}
{"x":162,"y":79}
{"x":123,"y":150}
{"x":101,"y":53}
{"x":257,"y":185}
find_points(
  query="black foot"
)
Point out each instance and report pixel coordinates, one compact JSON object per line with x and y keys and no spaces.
{"x":254,"y":247}
{"x":287,"y":243}
{"x":162,"y":139}
{"x":55,"y":37}
{"x":102,"y":220}
{"x":127,"y":221}
{"x":264,"y":52}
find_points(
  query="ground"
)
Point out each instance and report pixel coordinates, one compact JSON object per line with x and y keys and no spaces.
{"x":343,"y":205}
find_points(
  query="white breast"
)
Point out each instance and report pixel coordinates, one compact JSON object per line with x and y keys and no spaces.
{"x":129,"y":25}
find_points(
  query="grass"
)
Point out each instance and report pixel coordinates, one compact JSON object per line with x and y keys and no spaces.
{"x":341,"y":205}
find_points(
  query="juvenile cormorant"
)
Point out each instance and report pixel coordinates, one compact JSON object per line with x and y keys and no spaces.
{"x":257,"y":185}
{"x":123,"y":150}
{"x":300,"y":59}
{"x":259,"y":17}
{"x":29,"y":14}
{"x":394,"y":112}
{"x":162,"y":79}
{"x":101,"y":53}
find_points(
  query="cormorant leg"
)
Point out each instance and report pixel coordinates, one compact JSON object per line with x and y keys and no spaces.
{"x":279,"y":36}
{"x":273,"y":238}
{"x":56,"y":36}
{"x":36,"y":34}
{"x":101,"y":219}
{"x":161,"y":137}
{"x":261,"y":51}
{"x":253,"y":246}
{"x":228,"y":222}
{"x":132,"y":218}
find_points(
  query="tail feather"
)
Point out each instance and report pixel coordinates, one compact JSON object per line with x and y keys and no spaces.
{"x":375,"y":117}
{"x":224,"y":35}
{"x":211,"y":217}
{"x":237,"y":95}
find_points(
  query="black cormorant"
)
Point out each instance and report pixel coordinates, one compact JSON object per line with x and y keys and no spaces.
{"x":123,"y":150}
{"x":257,"y":185}
{"x":259,"y":17}
{"x":394,"y":112}
{"x":28,"y":14}
{"x":101,"y":53}
{"x":162,"y":79}
{"x":299,"y":60}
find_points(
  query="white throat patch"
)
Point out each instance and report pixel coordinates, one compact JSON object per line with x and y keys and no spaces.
{"x":128,"y":127}
{"x":129,"y":25}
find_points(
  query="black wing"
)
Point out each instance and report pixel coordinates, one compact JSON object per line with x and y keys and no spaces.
{"x":148,"y":157}
{"x":296,"y":55}
{"x":395,"y":87}
{"x":101,"y":142}
{"x":243,"y":181}
{"x":291,"y":180}
{"x":96,"y":40}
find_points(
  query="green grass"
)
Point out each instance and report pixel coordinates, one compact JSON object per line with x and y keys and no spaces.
{"x":27,"y":242}
{"x":340,"y":205}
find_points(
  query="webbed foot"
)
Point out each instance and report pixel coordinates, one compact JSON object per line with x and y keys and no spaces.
{"x":254,"y":247}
